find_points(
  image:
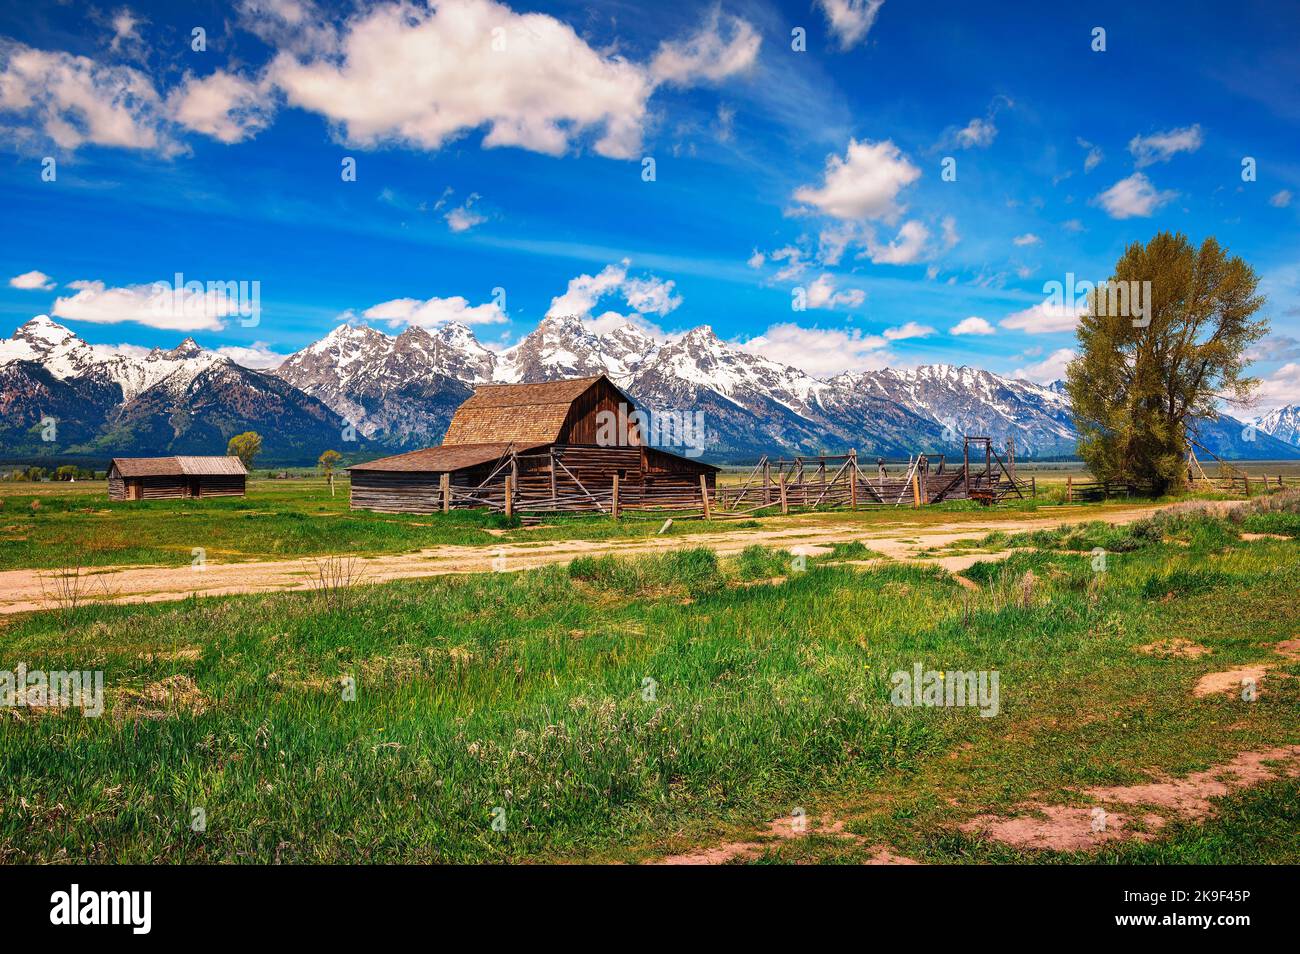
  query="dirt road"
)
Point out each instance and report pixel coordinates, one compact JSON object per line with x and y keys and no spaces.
{"x":26,"y":590}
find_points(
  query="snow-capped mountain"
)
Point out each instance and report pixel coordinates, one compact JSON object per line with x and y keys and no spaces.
{"x":399,"y":391}
{"x":182,"y":400}
{"x":1282,"y":423}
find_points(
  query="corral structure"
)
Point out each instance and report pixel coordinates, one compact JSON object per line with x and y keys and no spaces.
{"x":558,"y":446}
{"x":154,"y":478}
{"x":842,"y":480}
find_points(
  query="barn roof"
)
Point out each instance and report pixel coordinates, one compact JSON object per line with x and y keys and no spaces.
{"x":518,"y":412}
{"x":179,"y":466}
{"x":446,"y":458}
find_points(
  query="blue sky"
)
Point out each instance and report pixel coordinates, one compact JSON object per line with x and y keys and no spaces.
{"x":504,"y":147}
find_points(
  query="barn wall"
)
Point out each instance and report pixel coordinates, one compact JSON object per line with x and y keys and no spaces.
{"x":581,"y":425}
{"x":222,"y":485}
{"x":161,"y":488}
{"x":116,"y":486}
{"x":395,"y":491}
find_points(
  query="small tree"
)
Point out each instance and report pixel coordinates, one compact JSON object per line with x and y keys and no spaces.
{"x":1136,"y":383}
{"x":245,"y":446}
{"x":327,"y":462}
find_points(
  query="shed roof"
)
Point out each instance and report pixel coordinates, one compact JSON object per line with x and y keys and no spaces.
{"x":518,"y":412}
{"x":446,"y":458}
{"x":179,"y":466}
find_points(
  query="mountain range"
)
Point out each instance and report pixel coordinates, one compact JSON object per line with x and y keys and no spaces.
{"x":365,"y":392}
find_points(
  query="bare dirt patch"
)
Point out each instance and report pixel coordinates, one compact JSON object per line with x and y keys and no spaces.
{"x":782,"y":829}
{"x":1152,"y":805}
{"x":1174,"y":648}
{"x":1213,"y":683}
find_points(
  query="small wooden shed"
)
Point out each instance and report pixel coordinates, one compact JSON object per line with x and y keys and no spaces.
{"x":560,"y":443}
{"x":154,"y":478}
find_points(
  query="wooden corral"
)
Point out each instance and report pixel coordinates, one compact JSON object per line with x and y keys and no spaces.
{"x":841,"y":480}
{"x":537,"y":448}
{"x":153,"y":478}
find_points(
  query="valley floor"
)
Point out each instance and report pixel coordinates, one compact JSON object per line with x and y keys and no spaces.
{"x":721,"y":702}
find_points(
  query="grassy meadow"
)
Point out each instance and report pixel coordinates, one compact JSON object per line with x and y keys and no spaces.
{"x":623,"y":709}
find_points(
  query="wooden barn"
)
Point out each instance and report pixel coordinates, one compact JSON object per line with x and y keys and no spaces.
{"x":557,"y":446}
{"x":153,"y":478}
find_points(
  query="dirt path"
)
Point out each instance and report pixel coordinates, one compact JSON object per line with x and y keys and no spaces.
{"x":26,"y":590}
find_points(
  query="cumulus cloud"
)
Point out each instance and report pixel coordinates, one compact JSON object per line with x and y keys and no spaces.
{"x":972,"y":326}
{"x":977,"y":133}
{"x":757,"y":260}
{"x":906,"y":248}
{"x":911,"y":329}
{"x":463,"y":217}
{"x":1280,"y":200}
{"x":1280,"y":388}
{"x":1045,"y":318}
{"x":646,"y":295}
{"x":818,"y":351}
{"x":862,"y":185}
{"x":850,"y":20}
{"x":1052,"y":368}
{"x":723,"y":47}
{"x":157,"y":305}
{"x":1029,"y":238}
{"x":257,"y":355}
{"x":32,"y":281}
{"x":434,"y":311}
{"x":73,"y":101}
{"x":225,"y":106}
{"x":1163,"y":146}
{"x":823,"y":292}
{"x":1133,"y":197}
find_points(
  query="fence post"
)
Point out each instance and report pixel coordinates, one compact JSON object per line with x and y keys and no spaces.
{"x":446,"y":492}
{"x":785,"y":504}
{"x":1069,"y":488}
{"x":704,"y":494}
{"x":767,"y":482}
{"x":853,"y":479}
{"x":1246,"y":479}
{"x":1033,"y":485}
{"x":614,"y":503}
{"x":916,"y":489}
{"x":510,"y":498}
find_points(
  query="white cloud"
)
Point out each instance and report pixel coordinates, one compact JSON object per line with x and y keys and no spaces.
{"x":1045,"y":318}
{"x":156,"y":305}
{"x":421,"y":78}
{"x":222,"y":105}
{"x":911,"y":329}
{"x":75,"y":101}
{"x":795,"y":263}
{"x":1132,"y":197}
{"x":648,"y":295}
{"x":1052,"y":368}
{"x":950,"y":236}
{"x":819,"y":351}
{"x":463,"y":217}
{"x":906,"y":248}
{"x":707,"y":54}
{"x":1072,"y":225}
{"x":1093,"y":159}
{"x":1280,"y":200}
{"x":864,"y":184}
{"x":1029,"y":238}
{"x":757,"y":260}
{"x":32,"y":281}
{"x":977,"y":133}
{"x":822,"y":293}
{"x":125,"y":35}
{"x":1163,"y":146}
{"x":972,"y":326}
{"x":850,"y":20}
{"x":1280,"y":388}
{"x":434,"y":311}
{"x":257,"y":355}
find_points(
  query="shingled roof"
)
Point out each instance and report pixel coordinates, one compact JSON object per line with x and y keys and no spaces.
{"x":445,"y":458}
{"x":523,"y":413}
{"x":179,"y":466}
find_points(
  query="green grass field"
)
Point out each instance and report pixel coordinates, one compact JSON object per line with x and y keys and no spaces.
{"x":620,"y":710}
{"x":56,"y":525}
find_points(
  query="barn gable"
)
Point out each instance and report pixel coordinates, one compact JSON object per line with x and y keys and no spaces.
{"x":563,"y":412}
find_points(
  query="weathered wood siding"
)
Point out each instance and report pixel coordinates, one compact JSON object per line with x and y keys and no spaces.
{"x":222,"y":485}
{"x":581,"y":426}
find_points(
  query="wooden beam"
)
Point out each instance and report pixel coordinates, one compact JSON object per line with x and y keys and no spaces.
{"x":615,"y":499}
{"x":704,"y":494}
{"x":785,"y":504}
{"x":510,"y":497}
{"x":446,"y":492}
{"x":916,"y":488}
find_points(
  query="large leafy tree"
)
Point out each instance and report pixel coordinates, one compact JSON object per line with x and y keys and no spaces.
{"x":246,"y":447}
{"x":1139,"y":379}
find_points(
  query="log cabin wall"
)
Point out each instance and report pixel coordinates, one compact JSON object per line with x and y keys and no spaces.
{"x":222,"y":485}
